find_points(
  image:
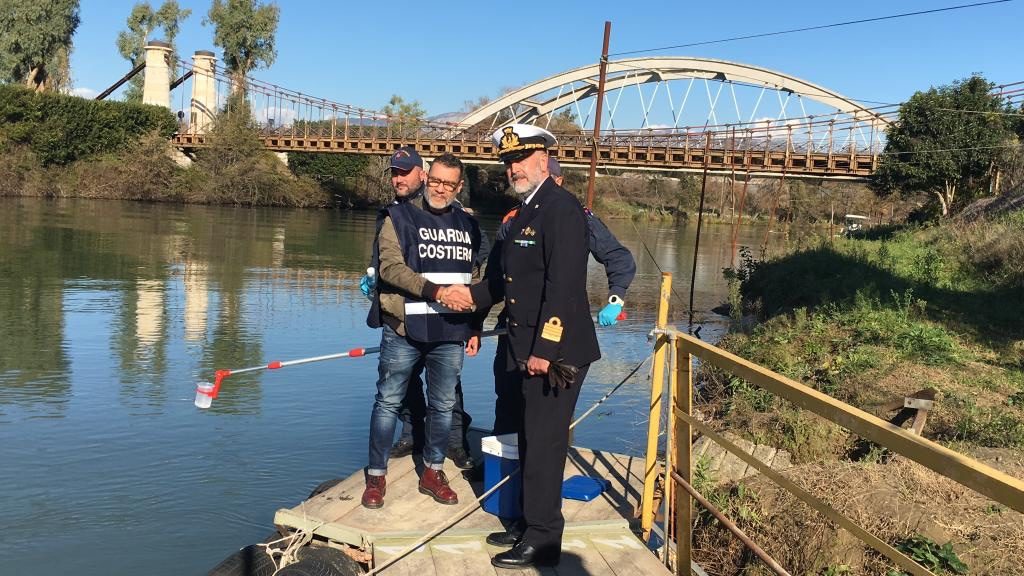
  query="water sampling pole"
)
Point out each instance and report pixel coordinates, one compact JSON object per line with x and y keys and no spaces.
{"x":206,"y":392}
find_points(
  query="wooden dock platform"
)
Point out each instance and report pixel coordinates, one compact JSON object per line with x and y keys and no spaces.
{"x":597,"y":537}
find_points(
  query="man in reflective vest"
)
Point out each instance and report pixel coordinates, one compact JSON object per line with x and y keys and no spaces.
{"x":408,"y":179}
{"x":424,"y":246}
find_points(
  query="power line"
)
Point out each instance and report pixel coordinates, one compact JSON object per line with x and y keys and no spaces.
{"x":809,"y":28}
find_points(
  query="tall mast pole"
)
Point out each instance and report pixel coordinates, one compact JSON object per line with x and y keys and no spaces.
{"x":597,"y":119}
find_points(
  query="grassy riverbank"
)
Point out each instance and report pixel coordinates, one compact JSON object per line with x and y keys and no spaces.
{"x":869,"y":321}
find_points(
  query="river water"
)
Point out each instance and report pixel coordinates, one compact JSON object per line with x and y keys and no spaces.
{"x":111,"y":312}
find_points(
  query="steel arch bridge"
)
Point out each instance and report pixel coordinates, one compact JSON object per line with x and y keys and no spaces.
{"x":667,"y":113}
{"x":535,"y":102}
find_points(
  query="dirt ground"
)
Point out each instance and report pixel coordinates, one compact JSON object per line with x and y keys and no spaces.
{"x":892,"y":500}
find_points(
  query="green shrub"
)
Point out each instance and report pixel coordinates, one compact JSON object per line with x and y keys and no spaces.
{"x":924,"y":551}
{"x":61,"y":129}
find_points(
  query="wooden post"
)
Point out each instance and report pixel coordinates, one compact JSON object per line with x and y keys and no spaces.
{"x":683,"y":436}
{"x":654,"y":414}
{"x":739,"y":220}
{"x":671,"y":463}
{"x":597,"y":119}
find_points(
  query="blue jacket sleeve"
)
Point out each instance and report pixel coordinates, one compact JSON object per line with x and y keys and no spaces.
{"x":618,"y":262}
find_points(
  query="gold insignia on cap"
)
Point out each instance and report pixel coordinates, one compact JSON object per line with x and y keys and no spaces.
{"x":510,"y":139}
{"x":552,"y":330}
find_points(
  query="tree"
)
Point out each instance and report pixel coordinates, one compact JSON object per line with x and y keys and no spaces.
{"x":404,"y":116}
{"x":245,"y":30}
{"x":945,"y":143}
{"x":142,"y":21}
{"x":35,"y":38}
{"x":563,"y":122}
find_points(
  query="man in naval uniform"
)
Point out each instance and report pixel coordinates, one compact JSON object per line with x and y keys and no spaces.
{"x":424,"y":245}
{"x":620,"y":269}
{"x":541,"y":275}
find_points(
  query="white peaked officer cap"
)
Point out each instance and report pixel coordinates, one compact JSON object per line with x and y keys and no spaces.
{"x":517,"y":141}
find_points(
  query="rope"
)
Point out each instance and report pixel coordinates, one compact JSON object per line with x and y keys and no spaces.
{"x":473,"y":506}
{"x":296,"y":540}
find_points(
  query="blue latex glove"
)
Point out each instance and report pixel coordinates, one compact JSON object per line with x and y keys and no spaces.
{"x":609,"y":315}
{"x":367,"y":284}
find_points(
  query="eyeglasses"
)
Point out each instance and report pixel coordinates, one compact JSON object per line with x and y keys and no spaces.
{"x":444,"y":184}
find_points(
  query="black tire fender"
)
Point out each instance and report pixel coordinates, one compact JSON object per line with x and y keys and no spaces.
{"x":325,"y":486}
{"x":249,"y":561}
{"x":322,"y":561}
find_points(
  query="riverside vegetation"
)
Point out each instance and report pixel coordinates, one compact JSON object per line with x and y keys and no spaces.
{"x":54,"y":145}
{"x":869,"y":321}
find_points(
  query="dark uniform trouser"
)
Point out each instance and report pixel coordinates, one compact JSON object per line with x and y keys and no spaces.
{"x":413,"y":414}
{"x":543,"y":443}
{"x":508,"y":391}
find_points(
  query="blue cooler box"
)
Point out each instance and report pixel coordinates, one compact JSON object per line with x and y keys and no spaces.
{"x":501,"y":458}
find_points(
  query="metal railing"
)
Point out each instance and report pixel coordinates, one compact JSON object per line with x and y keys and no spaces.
{"x":675,"y":352}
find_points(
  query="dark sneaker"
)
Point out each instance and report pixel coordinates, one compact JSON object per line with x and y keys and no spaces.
{"x":461,"y":458}
{"x":435,"y":483}
{"x":402,"y":448}
{"x":373,"y":495}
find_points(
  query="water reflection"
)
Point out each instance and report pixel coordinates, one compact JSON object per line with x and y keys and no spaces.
{"x":113,"y":311}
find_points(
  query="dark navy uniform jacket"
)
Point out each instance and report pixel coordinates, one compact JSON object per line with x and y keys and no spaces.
{"x":540,"y":271}
{"x":618,"y":262}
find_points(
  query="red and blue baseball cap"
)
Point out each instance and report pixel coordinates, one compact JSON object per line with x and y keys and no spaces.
{"x":406,"y":158}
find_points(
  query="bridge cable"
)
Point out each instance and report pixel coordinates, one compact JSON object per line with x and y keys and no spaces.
{"x":809,"y":28}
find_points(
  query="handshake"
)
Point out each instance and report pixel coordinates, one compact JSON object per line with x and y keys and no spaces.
{"x":455,"y":297}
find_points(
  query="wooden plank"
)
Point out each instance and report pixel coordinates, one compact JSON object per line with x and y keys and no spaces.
{"x":346,"y":496}
{"x":627,"y":556}
{"x":581,"y":558}
{"x":625,"y":475}
{"x":418,"y":563}
{"x":468,"y":557}
{"x":404,"y":509}
{"x":332,"y":531}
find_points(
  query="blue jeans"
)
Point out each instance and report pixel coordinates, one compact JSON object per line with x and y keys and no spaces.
{"x":398,"y":358}
{"x":413,"y":416}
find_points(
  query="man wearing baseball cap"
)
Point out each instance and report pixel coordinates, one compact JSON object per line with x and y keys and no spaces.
{"x":408,"y":178}
{"x":539,"y":271}
{"x":424,"y":244}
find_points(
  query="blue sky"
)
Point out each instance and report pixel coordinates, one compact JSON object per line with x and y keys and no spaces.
{"x":444,"y":53}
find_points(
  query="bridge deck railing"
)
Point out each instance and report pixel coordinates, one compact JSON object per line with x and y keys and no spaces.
{"x":675,"y":352}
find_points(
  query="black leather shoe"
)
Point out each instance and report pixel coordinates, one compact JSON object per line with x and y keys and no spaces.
{"x":403,"y":448}
{"x":504,"y":539}
{"x":460,"y":458}
{"x":524,"y":556}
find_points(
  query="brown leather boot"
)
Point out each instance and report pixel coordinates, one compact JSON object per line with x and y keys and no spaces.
{"x":435,"y":483}
{"x":376,"y":487}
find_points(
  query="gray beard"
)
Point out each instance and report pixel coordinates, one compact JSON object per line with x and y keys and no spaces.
{"x":523,"y":187}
